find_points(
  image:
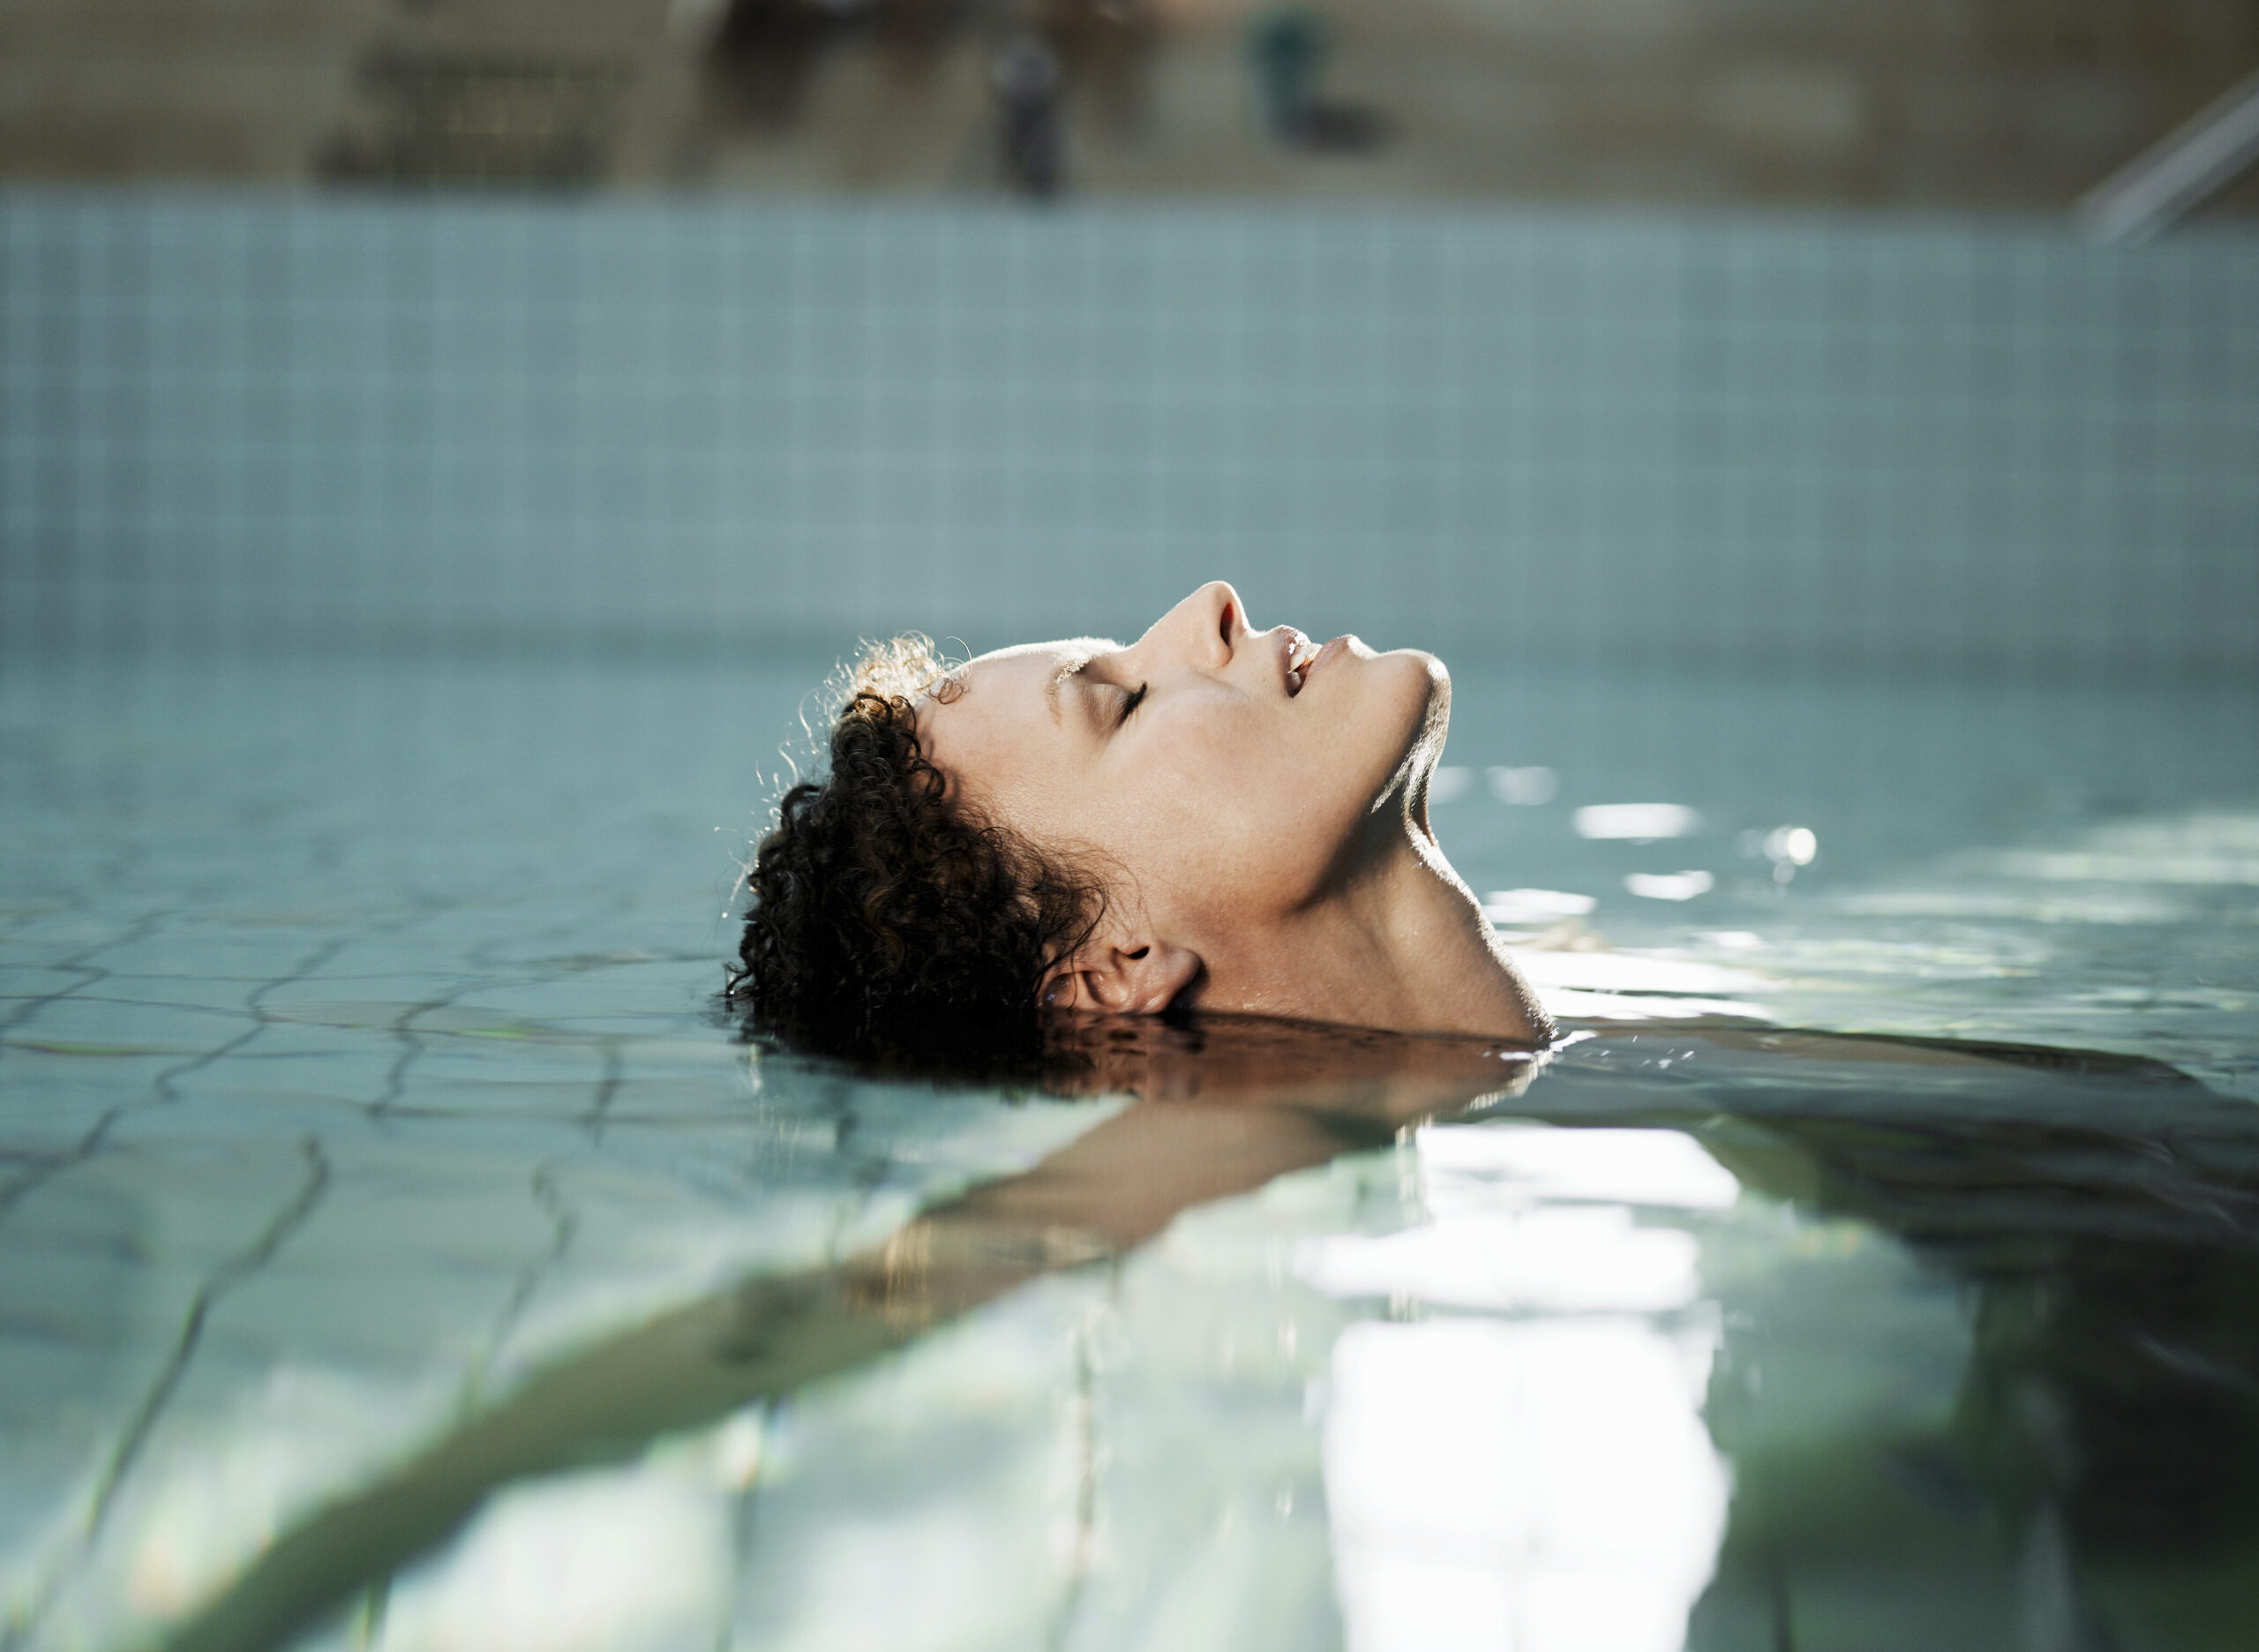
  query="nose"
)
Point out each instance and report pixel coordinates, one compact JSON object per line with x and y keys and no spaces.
{"x":1206,"y":626}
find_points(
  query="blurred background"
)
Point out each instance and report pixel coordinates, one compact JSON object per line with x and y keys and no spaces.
{"x":2018,"y":105}
{"x":1694,"y":331}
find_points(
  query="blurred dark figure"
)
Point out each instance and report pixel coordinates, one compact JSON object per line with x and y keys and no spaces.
{"x":1104,"y":46}
{"x":1025,"y":79}
{"x":764,"y":55}
{"x":766,"y":52}
{"x":1288,"y":46}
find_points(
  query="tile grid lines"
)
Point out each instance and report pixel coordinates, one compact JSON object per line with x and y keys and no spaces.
{"x":409,"y":1048}
{"x":601,"y":422}
{"x":76,"y":963}
{"x":162,"y":1087}
{"x":101,"y":1496}
{"x":564,"y":1221}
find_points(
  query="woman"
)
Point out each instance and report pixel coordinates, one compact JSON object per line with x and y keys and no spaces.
{"x":1213,"y":817}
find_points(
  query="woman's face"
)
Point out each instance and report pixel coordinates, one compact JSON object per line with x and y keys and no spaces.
{"x":1224,"y":776}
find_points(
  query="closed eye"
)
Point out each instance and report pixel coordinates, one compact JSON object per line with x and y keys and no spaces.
{"x":1130,"y":701}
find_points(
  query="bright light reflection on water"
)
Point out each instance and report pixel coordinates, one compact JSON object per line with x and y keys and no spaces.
{"x":1636,"y":822}
{"x":1670,"y":886}
{"x":1543,"y":1483}
{"x":632,"y":1560}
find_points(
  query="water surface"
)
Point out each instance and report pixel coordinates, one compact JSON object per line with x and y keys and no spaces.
{"x":360,"y":1077}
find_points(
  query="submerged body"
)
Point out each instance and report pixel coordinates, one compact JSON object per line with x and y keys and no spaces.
{"x":2012,"y":1166}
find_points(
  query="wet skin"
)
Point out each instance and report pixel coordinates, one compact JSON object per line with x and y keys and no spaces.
{"x":1255,"y":806}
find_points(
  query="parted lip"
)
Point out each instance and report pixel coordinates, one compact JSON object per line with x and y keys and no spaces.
{"x":1304,"y":659}
{"x":1296,"y":654}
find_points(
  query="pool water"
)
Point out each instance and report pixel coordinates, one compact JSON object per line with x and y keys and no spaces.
{"x":362,"y":1092}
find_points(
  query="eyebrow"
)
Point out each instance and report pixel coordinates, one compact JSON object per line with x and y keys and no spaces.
{"x":1054,"y":682}
{"x":1088,"y":650}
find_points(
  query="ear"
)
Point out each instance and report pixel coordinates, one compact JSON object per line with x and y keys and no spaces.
{"x":1131,"y":975}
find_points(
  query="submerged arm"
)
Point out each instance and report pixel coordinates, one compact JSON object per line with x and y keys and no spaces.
{"x":1101,"y":1196}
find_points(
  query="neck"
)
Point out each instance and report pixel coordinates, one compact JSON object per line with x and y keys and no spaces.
{"x":1403,"y":945}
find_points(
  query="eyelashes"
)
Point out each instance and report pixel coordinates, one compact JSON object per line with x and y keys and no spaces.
{"x":1132,"y":702}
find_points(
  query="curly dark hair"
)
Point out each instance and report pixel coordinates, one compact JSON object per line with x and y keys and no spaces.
{"x":885,"y":915}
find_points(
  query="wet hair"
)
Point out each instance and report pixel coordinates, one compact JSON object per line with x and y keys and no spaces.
{"x":885,"y":916}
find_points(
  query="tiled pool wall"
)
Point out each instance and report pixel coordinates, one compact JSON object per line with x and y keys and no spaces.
{"x":344,"y":423}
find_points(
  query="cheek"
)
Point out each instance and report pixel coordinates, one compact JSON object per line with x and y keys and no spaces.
{"x":1402,"y":704}
{"x":1242,"y":816}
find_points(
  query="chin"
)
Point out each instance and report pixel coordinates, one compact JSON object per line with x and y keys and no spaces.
{"x":1427,"y":694}
{"x":1416,"y":689}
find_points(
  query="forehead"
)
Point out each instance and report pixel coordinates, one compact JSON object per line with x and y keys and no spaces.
{"x":1023,"y":657}
{"x":1000,"y":701}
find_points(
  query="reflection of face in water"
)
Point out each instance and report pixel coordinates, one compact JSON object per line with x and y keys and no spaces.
{"x":2101,"y":1220}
